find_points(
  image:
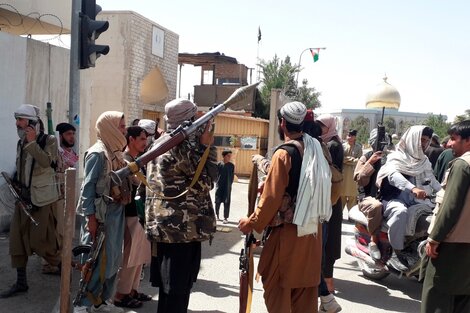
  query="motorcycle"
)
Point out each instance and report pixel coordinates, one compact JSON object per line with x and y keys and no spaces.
{"x":358,"y":247}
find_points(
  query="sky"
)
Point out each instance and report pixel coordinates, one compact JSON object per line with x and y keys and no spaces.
{"x":422,"y":46}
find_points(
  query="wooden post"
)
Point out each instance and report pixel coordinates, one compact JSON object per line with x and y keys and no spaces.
{"x":69,"y":229}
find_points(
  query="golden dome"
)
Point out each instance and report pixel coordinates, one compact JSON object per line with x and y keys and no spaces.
{"x":384,"y":95}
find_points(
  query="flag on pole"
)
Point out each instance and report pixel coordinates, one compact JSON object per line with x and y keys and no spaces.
{"x":259,"y":34}
{"x":315,"y":54}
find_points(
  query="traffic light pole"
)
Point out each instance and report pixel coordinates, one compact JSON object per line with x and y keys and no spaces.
{"x":74,"y":75}
{"x":74,"y":114}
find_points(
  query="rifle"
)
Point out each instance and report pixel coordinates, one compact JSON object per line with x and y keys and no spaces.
{"x":50,"y":125}
{"x":246,"y":254}
{"x":24,"y":205}
{"x":381,"y":142}
{"x":90,"y":264}
{"x":163,"y":144}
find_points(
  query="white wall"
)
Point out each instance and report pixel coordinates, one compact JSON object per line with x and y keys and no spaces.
{"x":12,"y":94}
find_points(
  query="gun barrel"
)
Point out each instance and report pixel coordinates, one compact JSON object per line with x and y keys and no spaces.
{"x":179,"y":134}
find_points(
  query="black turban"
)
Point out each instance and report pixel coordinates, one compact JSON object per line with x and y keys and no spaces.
{"x":64,"y":127}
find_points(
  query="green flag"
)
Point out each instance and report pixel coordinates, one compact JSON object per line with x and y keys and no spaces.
{"x":315,"y":54}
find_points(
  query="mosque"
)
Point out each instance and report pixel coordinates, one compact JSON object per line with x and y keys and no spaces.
{"x":384,"y":95}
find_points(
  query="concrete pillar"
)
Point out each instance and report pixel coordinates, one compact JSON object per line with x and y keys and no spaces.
{"x":273,"y":137}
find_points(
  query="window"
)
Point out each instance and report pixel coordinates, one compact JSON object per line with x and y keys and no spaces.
{"x":248,"y":143}
{"x":222,"y":141}
{"x":207,"y":77}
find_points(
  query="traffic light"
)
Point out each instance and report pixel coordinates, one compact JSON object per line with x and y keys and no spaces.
{"x":90,"y":29}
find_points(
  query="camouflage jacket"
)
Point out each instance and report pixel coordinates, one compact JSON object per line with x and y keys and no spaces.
{"x":191,"y":216}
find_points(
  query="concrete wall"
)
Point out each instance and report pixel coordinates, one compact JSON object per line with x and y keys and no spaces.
{"x":35,"y":73}
{"x":118,"y":76}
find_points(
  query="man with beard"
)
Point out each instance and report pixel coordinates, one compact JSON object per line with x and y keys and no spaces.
{"x":66,"y":158}
{"x":294,"y":201}
{"x":352,"y":153}
{"x":36,"y":156}
{"x":102,"y":204}
{"x":404,"y":180}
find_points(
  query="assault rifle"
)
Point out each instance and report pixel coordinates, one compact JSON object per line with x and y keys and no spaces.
{"x":22,"y":204}
{"x":246,"y":254}
{"x":165,"y":143}
{"x":381,"y":142}
{"x":90,"y":264}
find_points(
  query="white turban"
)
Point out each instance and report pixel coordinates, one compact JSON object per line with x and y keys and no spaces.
{"x":148,"y":125}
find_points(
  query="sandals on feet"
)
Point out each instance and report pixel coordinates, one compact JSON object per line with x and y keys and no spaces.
{"x":128,"y":302}
{"x":140,"y":296}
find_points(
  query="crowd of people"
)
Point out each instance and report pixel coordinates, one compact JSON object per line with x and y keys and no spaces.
{"x":161,"y":221}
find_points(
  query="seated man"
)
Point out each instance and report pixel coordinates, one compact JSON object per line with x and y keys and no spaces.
{"x":365,"y":175}
{"x":404,"y":180}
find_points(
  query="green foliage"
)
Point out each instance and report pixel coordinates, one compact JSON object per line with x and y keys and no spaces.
{"x":308,"y":95}
{"x":390,"y":125}
{"x":462,"y":117}
{"x":362,"y":125}
{"x":438,"y":124}
{"x":403,"y":126}
{"x":281,"y":74}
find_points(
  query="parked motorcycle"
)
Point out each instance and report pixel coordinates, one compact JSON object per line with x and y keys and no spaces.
{"x":358,"y":247}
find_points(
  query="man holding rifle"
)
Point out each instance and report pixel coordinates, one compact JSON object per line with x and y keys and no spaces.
{"x":295,"y":199}
{"x":179,"y":210}
{"x":102,"y":203}
{"x":35,"y":175}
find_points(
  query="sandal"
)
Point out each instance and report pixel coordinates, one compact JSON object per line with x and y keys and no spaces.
{"x":140,"y":296}
{"x":50,"y":269}
{"x":128,"y":302}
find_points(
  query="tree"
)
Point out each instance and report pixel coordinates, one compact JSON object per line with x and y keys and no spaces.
{"x":438,"y":124}
{"x":390,"y":125}
{"x":463,"y":117}
{"x":281,"y":74}
{"x":362,"y":125}
{"x":308,"y":95}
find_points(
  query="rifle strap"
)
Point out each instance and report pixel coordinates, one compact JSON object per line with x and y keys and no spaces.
{"x":141,"y":177}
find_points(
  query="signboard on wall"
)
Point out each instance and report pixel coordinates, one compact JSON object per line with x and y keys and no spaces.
{"x":158,"y":41}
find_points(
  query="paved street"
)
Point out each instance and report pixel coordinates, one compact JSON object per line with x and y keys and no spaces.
{"x":217,"y":286}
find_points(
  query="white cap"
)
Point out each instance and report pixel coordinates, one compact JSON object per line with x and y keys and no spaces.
{"x":294,"y":112}
{"x":148,"y":125}
{"x":27,"y":111}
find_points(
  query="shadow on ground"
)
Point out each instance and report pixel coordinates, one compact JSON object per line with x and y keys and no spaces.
{"x":355,"y":291}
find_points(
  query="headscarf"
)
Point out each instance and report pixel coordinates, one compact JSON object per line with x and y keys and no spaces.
{"x":372,"y":137}
{"x":27,"y":111}
{"x":330,"y":122}
{"x":107,"y":131}
{"x":408,"y":158}
{"x":177,"y":111}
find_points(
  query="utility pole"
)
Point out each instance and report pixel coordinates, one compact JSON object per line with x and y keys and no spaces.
{"x":74,"y":75}
{"x":300,"y":59}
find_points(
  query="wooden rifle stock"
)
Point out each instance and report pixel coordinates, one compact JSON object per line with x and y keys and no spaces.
{"x":22,"y":204}
{"x":165,"y":143}
{"x":90,"y":264}
{"x":246,"y":254}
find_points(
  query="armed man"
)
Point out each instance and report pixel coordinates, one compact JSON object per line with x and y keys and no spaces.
{"x":295,"y":199}
{"x":35,"y":177}
{"x":179,"y":210}
{"x":102,"y":203}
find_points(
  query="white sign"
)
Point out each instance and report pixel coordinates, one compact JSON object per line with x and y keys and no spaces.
{"x":158,"y":41}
